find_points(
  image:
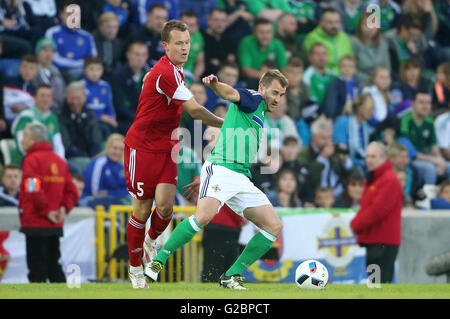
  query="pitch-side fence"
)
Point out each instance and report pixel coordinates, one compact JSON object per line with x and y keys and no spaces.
{"x":112,"y":252}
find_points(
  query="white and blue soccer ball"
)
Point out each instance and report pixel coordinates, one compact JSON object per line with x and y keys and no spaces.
{"x":311,"y":274}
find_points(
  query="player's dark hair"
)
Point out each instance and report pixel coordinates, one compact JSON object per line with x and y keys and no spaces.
{"x":274,"y":74}
{"x":172,"y":25}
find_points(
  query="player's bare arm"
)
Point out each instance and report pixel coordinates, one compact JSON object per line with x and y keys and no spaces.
{"x":221,"y":89}
{"x":199,"y":112}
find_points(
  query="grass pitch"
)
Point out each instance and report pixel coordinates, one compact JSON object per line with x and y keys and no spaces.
{"x":213,"y":291}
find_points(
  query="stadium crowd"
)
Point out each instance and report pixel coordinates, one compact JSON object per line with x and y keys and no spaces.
{"x":356,"y":75}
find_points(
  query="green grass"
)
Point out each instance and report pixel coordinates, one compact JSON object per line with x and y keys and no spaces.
{"x":213,"y":291}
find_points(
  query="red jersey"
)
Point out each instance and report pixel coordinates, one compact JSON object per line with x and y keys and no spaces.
{"x":159,"y":109}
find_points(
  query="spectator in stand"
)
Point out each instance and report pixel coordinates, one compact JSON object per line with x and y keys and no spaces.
{"x":398,"y":154}
{"x":40,"y":16}
{"x":48,"y":73}
{"x":270,"y":10}
{"x":442,"y":201}
{"x":73,"y":45}
{"x":306,"y":13}
{"x":47,"y":195}
{"x":379,"y":88}
{"x":287,"y":33}
{"x":78,"y":180}
{"x":423,"y":9}
{"x":109,"y":46}
{"x":150,"y":32}
{"x":119,"y":8}
{"x":127,"y":83}
{"x":442,"y":9}
{"x":141,"y":9}
{"x":411,"y":80}
{"x":264,"y":171}
{"x":297,"y":93}
{"x":80,"y":129}
{"x":329,"y":34}
{"x":39,"y":113}
{"x":286,"y":190}
{"x":407,"y":41}
{"x":238,"y":19}
{"x":279,"y":125}
{"x":344,"y":89}
{"x":228,"y":74}
{"x":350,"y":11}
{"x":317,"y":76}
{"x":442,"y":127}
{"x":370,"y":49}
{"x":352,"y":193}
{"x":390,"y":13}
{"x":255,"y":49}
{"x":18,"y":91}
{"x":14,"y":30}
{"x":202,"y":9}
{"x":5,"y":132}
{"x":324,"y":198}
{"x":99,"y":96}
{"x":10,"y":185}
{"x":104,"y":176}
{"x":218,"y":48}
{"x":195,"y":65}
{"x":441,"y":88}
{"x":377,"y":224}
{"x":402,"y":176}
{"x":418,"y":127}
{"x":326,"y":167}
{"x":352,"y":132}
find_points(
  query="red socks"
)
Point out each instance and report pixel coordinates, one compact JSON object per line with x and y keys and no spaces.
{"x":135,"y":238}
{"x":159,"y":223}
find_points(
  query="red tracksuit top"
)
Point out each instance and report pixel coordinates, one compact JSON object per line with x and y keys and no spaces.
{"x":46,"y":185}
{"x":378,"y":220}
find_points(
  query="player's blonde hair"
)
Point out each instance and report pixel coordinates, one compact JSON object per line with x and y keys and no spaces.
{"x":273,"y":74}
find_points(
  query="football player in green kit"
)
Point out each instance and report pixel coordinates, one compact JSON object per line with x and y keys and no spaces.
{"x":225,"y":176}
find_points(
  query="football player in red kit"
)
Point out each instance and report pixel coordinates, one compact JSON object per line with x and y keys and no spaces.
{"x":150,"y":149}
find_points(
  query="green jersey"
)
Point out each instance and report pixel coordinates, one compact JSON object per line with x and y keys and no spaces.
{"x":422,"y":136}
{"x":49,"y":120}
{"x":318,"y":84}
{"x":251,"y":55}
{"x":189,"y":166}
{"x":240,"y":136}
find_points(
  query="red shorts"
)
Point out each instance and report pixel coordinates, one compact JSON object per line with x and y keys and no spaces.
{"x":145,"y":170}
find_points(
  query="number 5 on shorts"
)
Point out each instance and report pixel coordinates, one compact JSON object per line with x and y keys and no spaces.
{"x":140,"y":190}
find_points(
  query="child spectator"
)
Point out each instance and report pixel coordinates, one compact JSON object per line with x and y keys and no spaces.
{"x":442,"y":201}
{"x":78,"y":180}
{"x":285,"y":194}
{"x":343,"y":89}
{"x":402,"y":176}
{"x":411,"y":80}
{"x":379,"y":89}
{"x":99,"y":95}
{"x":352,"y":193}
{"x":324,"y":197}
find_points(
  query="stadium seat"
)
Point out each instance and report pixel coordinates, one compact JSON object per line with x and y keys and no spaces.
{"x":7,"y":146}
{"x":9,"y":67}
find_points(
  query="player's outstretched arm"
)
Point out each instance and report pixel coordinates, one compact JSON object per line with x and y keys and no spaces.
{"x":221,"y":89}
{"x":199,"y":112}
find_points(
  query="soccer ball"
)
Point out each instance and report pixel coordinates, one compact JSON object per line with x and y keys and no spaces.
{"x":311,"y":274}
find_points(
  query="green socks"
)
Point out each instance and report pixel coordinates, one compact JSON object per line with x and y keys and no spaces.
{"x":181,"y":235}
{"x":255,"y":249}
